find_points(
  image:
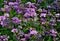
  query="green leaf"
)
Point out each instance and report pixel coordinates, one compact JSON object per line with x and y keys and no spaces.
{"x":1,"y":1}
{"x":13,"y":13}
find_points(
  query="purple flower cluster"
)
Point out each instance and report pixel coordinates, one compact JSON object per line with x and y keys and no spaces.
{"x":15,"y":20}
{"x":30,"y":12}
{"x":29,"y":21}
{"x":4,"y":38}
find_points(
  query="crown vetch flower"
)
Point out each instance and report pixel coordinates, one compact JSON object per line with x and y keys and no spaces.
{"x":52,"y":21}
{"x":34,"y":32}
{"x":43,"y":15}
{"x":30,"y":12}
{"x":15,"y":20}
{"x":53,"y":32}
{"x":2,"y":18}
{"x":14,"y":30}
{"x":6,"y":15}
{"x":27,"y":36}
